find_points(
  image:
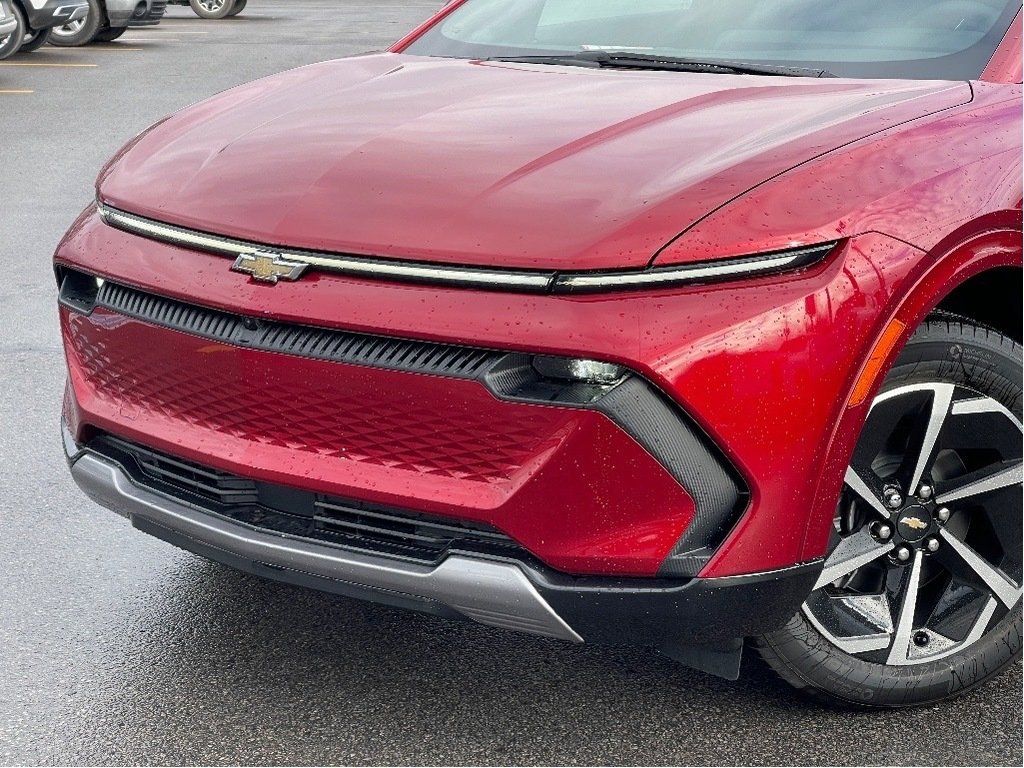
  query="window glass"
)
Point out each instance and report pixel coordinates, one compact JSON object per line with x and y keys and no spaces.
{"x":923,"y":39}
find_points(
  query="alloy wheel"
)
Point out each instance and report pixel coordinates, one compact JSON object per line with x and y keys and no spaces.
{"x":927,"y":547}
{"x":71,"y":28}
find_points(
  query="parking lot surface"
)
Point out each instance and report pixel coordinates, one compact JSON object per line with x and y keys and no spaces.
{"x":117,"y":648}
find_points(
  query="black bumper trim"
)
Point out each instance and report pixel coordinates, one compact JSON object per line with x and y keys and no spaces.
{"x":496,"y":590}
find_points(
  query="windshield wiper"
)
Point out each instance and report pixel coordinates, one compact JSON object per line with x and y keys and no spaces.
{"x":652,"y":61}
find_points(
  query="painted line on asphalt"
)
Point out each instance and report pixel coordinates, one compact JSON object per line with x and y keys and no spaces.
{"x":41,"y":64}
{"x":13,"y":91}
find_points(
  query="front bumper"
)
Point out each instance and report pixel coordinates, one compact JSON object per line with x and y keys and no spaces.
{"x":763,"y":367}
{"x":55,"y":14}
{"x":494,"y":590}
{"x":152,"y":17}
{"x":135,"y":13}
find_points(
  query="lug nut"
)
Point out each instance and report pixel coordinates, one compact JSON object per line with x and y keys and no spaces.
{"x":893,"y":498}
{"x":881,"y":531}
{"x":924,"y":492}
{"x":921,"y":638}
{"x":932,"y":545}
{"x":942,"y":514}
{"x":902,"y":553}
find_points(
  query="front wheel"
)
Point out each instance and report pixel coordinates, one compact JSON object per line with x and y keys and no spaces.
{"x":81,"y":31}
{"x":212,"y":9}
{"x":920,"y":597}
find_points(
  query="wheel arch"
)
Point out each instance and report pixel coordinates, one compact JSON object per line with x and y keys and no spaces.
{"x":993,"y":298}
{"x":955,"y":278}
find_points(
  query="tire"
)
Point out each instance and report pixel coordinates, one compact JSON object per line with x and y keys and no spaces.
{"x":870,"y":636}
{"x":9,"y":45}
{"x":212,"y":9}
{"x":81,"y":32}
{"x":34,"y":40}
{"x":239,"y":7}
{"x":109,"y":34}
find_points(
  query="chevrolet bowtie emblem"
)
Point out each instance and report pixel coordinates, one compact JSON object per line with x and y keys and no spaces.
{"x":915,"y":522}
{"x":268,"y":267}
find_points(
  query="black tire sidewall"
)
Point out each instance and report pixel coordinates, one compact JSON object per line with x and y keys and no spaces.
{"x":109,"y":34}
{"x":39,"y":38}
{"x":947,"y":349}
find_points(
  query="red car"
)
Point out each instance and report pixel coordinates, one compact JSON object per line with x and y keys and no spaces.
{"x":671,"y":322}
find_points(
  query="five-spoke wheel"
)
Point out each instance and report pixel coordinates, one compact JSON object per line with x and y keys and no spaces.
{"x":924,"y":572}
{"x":928,"y":551}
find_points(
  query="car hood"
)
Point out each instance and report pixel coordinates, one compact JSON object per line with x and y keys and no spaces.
{"x":488,"y":163}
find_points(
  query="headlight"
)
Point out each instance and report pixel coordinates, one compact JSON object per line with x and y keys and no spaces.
{"x":570,"y":369}
{"x":699,"y":272}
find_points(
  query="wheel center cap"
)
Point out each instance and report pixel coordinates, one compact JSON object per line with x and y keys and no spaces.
{"x":914,"y":522}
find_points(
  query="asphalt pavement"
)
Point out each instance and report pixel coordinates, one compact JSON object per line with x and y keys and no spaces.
{"x":116,"y":648}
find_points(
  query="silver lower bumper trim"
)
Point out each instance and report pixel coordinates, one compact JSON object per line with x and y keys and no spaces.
{"x":489,"y":592}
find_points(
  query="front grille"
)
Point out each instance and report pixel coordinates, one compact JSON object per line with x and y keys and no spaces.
{"x":294,"y":512}
{"x":304,"y":341}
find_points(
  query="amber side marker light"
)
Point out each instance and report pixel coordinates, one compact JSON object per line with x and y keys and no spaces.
{"x":873,"y":368}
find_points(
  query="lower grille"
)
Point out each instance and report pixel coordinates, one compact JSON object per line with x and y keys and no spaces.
{"x":294,"y":512}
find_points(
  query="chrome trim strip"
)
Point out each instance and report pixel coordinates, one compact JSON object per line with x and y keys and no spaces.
{"x":468,"y":277}
{"x":489,"y":592}
{"x":476,"y":277}
{"x":702,"y":272}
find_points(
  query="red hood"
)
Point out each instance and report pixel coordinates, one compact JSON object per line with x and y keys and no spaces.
{"x":491,"y":163}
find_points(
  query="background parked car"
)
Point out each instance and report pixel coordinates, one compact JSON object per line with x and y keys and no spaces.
{"x":213,"y":9}
{"x":35,"y":18}
{"x":108,"y":20}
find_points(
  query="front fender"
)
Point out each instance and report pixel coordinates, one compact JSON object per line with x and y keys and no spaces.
{"x":946,"y":269}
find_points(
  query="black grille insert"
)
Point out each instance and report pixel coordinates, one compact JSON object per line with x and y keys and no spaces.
{"x":81,"y":293}
{"x":280,"y":509}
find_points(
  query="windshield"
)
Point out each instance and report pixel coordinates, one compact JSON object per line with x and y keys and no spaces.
{"x":914,"y":39}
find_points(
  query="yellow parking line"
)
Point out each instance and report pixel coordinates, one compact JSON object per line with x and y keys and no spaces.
{"x":90,"y":49}
{"x":13,"y":91}
{"x":41,"y":64}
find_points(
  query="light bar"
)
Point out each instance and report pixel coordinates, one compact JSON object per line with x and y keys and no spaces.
{"x":701,"y":272}
{"x":357,"y":266}
{"x":482,"y":278}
